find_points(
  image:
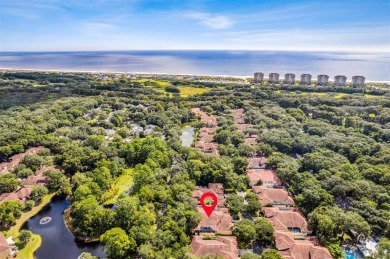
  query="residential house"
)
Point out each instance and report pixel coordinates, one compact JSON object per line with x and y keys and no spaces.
{"x":207,"y":138}
{"x":220,"y":221}
{"x":34,"y":180}
{"x":44,"y":169}
{"x":216,"y":188}
{"x":265,"y":176}
{"x":287,"y":219}
{"x":207,"y":148}
{"x":291,"y":248}
{"x":257,"y":162}
{"x":223,"y":246}
{"x":5,"y":248}
{"x":24,"y":195}
{"x":273,"y":196}
{"x":242,"y":127}
{"x":251,"y":141}
{"x":8,"y":197}
{"x":15,"y":160}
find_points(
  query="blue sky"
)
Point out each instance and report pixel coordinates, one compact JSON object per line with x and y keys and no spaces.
{"x":52,"y":25}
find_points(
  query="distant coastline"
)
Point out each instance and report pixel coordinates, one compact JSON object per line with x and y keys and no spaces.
{"x":228,"y":64}
{"x":151,"y":74}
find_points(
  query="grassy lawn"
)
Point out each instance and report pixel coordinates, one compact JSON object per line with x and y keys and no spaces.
{"x":340,"y":95}
{"x":319,"y":94}
{"x":14,"y":230}
{"x":120,"y":184}
{"x":35,"y":242}
{"x":186,"y":91}
{"x":160,"y":83}
{"x":28,"y":251}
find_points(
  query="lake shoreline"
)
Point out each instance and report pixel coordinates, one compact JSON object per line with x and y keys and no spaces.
{"x":67,"y":220}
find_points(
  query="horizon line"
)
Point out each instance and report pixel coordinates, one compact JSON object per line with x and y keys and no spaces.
{"x":241,"y":50}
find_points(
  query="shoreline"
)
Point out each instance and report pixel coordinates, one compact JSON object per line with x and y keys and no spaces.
{"x":35,"y":242}
{"x":93,"y":72}
{"x":67,"y":220}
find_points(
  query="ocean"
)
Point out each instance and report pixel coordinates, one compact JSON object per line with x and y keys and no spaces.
{"x":374,"y":66}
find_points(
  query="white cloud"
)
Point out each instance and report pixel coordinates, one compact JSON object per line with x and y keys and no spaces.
{"x":211,"y":20}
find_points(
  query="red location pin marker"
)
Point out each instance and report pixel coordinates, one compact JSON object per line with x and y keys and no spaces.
{"x":209,"y":208}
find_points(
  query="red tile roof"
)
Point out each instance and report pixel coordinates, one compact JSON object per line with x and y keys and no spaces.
{"x":15,"y":160}
{"x":257,"y":162}
{"x":251,"y":141}
{"x":207,"y":138}
{"x":34,"y":180}
{"x":272,"y":196}
{"x":5,"y":248}
{"x":268,"y":177}
{"x":204,"y":118}
{"x":220,"y":220}
{"x":207,"y":148}
{"x":45,"y":169}
{"x":242,"y":127}
{"x":298,"y":249}
{"x":224,"y":246}
{"x":286,"y":219}
{"x":8,"y":197}
{"x":205,"y":130}
{"x":24,"y":194}
{"x":216,"y":188}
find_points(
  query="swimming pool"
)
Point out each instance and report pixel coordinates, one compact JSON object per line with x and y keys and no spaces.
{"x":349,"y":255}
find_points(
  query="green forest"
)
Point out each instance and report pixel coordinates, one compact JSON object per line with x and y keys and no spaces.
{"x":329,"y":145}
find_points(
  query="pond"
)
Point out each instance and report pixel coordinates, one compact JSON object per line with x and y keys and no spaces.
{"x":57,"y":241}
{"x":187,"y":135}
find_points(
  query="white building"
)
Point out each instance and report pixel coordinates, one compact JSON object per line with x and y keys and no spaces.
{"x":273,"y":78}
{"x":358,"y":80}
{"x":258,"y":77}
{"x":340,"y":80}
{"x":289,"y":78}
{"x":306,"y":79}
{"x":322,"y":79}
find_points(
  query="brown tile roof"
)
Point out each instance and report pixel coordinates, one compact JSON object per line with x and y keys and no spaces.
{"x":268,"y":177}
{"x":34,"y":180}
{"x":237,"y":113}
{"x":4,"y":246}
{"x":15,"y":160}
{"x":298,"y":249}
{"x":207,"y":138}
{"x":24,"y":194}
{"x":45,"y":169}
{"x":31,"y":151}
{"x":8,"y":197}
{"x":273,"y":196}
{"x":4,"y":167}
{"x":216,"y":188}
{"x":221,"y":221}
{"x":251,"y":141}
{"x":257,"y":162}
{"x":210,"y":120}
{"x":286,"y":219}
{"x":224,"y":246}
{"x":207,"y":148}
{"x":242,"y":127}
{"x":205,"y":130}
